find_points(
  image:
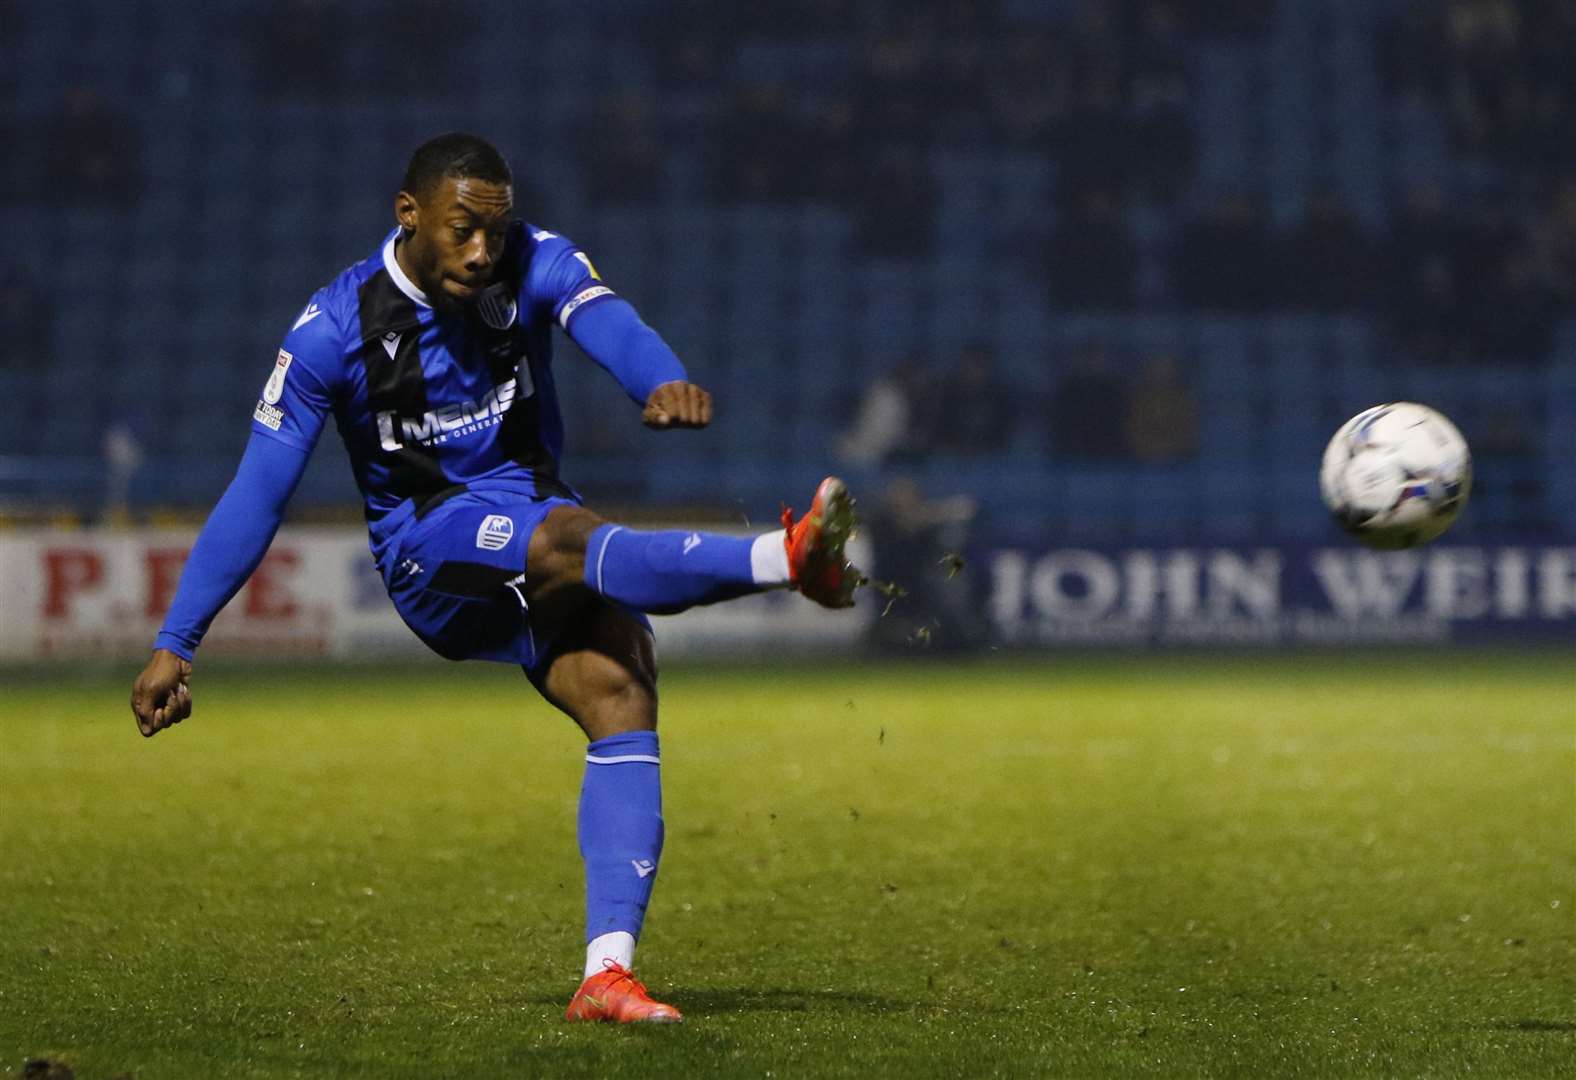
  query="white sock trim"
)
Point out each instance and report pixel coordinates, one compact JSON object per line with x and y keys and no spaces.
{"x":619,"y":947}
{"x":769,"y":558}
{"x":619,"y":759}
{"x":602,"y":554}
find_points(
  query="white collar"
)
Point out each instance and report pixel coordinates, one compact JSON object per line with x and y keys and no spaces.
{"x":406,"y":285}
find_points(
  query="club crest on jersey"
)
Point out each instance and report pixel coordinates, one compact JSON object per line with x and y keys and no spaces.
{"x":497,"y":306}
{"x":495,"y":533}
{"x":275,"y":387}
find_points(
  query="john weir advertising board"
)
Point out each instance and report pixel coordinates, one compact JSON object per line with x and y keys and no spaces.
{"x":1281,"y":594}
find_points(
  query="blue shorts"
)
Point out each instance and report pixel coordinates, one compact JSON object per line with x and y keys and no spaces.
{"x":457,"y":575}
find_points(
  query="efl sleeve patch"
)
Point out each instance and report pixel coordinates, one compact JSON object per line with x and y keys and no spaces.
{"x":580,"y":300}
{"x":275,"y":387}
{"x":296,"y":399}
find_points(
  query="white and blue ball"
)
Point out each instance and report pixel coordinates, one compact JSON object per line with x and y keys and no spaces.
{"x":1396,"y":475}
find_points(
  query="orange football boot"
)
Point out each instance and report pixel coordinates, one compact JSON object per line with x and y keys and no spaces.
{"x":614,"y":995}
{"x":816,"y":566}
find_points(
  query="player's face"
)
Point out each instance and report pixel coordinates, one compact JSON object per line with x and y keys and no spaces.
{"x":456,"y":236}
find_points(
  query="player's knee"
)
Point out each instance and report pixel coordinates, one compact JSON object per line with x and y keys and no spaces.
{"x":616,"y":698}
{"x":556,"y":556}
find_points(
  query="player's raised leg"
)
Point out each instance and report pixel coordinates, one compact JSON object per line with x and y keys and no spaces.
{"x":604,"y":676}
{"x":666,"y":571}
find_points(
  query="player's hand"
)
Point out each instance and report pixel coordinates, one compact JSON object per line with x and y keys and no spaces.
{"x":160,"y":696}
{"x":677,"y":404}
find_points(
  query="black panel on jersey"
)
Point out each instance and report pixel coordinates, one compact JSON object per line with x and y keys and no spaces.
{"x":508,"y":353}
{"x":507,"y":356}
{"x":396,"y":383}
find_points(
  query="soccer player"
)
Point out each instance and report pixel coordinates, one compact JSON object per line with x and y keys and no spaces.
{"x":434,"y":357}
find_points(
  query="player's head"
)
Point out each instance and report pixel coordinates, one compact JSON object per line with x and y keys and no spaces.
{"x":453,"y":209}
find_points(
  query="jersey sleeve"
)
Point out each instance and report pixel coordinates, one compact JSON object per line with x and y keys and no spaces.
{"x":562,"y":278}
{"x":601,"y":322}
{"x":299,"y":393}
{"x":233,"y":541}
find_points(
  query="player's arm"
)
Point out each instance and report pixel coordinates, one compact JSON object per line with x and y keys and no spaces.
{"x":612,"y":333}
{"x":285,"y":426}
{"x":231,"y":544}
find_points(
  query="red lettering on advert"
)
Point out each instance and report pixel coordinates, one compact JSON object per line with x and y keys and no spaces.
{"x":267,"y":595}
{"x":162,"y":567}
{"x":67,"y":572}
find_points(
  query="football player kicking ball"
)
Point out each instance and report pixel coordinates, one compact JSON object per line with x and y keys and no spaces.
{"x":434,"y":357}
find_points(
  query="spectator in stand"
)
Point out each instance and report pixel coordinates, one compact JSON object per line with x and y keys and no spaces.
{"x":1159,"y":103}
{"x":1499,"y":70}
{"x":1097,"y":149}
{"x":1486,"y":82}
{"x":918,"y":544}
{"x":1555,"y":236}
{"x":620,"y":151}
{"x":1327,"y":261}
{"x":895,"y":94}
{"x":1222,"y":256}
{"x":299,"y":45}
{"x":1088,"y":408}
{"x":1486,"y":238}
{"x":1550,"y":57}
{"x":1029,"y":89}
{"x":92,"y":153}
{"x":303,"y":48}
{"x":10,"y":30}
{"x":1090,"y":260}
{"x":26,"y":345}
{"x":26,"y":322}
{"x":1519,"y":307}
{"x":763,"y":146}
{"x":883,"y":428}
{"x":1424,"y":295}
{"x":1162,"y":412}
{"x":1238,"y":17}
{"x":898,"y":199}
{"x":977,"y":415}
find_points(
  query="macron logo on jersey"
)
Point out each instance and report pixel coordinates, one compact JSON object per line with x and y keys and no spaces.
{"x":312,"y":311}
{"x":437,"y":426}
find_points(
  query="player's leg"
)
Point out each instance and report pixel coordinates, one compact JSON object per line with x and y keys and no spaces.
{"x":603,"y":674}
{"x":665,"y":571}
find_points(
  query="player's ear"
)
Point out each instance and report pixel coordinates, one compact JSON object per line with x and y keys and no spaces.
{"x":405,"y":208}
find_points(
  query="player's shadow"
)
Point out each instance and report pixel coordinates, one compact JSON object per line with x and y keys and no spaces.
{"x":1537,"y":1025}
{"x":771,"y":999}
{"x":716,"y":1002}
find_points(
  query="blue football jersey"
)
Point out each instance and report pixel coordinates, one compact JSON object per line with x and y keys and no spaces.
{"x":432,"y":401}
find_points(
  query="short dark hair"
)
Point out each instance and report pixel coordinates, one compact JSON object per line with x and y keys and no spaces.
{"x":454,"y":154}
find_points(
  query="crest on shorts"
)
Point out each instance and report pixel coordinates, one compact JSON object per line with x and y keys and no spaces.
{"x":497,"y":306}
{"x":495,"y":533}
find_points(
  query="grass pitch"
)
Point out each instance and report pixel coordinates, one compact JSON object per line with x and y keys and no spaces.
{"x":1306,"y":866}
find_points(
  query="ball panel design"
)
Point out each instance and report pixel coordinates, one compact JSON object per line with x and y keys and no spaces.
{"x":1396,"y":475}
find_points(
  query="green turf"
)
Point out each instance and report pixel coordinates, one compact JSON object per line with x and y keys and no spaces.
{"x":1191,"y":867}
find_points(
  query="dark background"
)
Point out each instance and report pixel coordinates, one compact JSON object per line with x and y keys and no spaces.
{"x":1112,"y":268}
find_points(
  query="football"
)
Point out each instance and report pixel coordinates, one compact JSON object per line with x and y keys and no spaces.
{"x":1396,"y":475}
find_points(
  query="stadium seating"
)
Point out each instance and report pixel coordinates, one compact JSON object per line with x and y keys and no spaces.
{"x":246,"y":203}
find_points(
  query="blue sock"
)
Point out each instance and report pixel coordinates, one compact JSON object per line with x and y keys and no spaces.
{"x":620,"y":830}
{"x":666,"y":572}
